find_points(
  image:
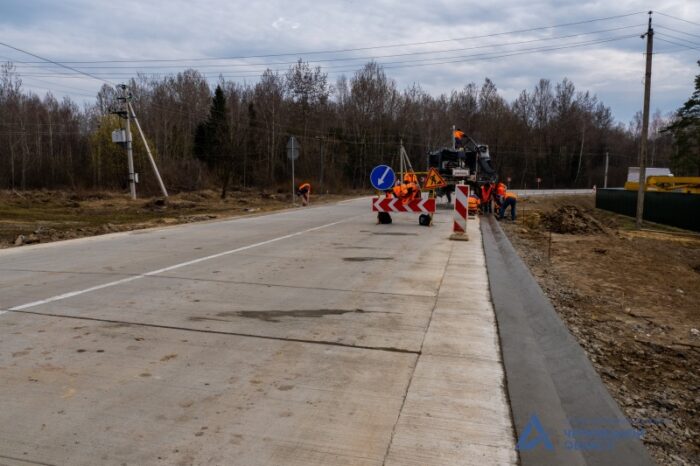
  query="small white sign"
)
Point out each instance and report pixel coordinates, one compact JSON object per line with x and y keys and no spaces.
{"x":460,"y":172}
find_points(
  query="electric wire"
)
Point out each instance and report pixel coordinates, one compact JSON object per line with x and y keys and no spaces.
{"x":48,"y":60}
{"x":365,"y":58}
{"x":677,"y":18}
{"x":387,"y":65}
{"x":675,"y":30}
{"x":374,"y":47}
{"x":679,"y":44}
{"x":664,"y":34}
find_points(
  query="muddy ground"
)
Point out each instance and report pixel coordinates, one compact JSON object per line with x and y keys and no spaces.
{"x":632,"y":299}
{"x":29,"y":217}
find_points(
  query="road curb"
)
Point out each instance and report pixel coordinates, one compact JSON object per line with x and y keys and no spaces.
{"x":548,"y":374}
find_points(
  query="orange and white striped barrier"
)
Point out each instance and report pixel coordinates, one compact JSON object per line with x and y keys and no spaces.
{"x":426,"y":206}
{"x":459,"y":226}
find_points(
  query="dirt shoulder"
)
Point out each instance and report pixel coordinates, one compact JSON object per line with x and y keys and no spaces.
{"x":29,"y":217}
{"x":631,"y":299}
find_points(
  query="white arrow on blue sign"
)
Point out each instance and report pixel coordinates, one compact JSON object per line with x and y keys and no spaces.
{"x":382,"y":177}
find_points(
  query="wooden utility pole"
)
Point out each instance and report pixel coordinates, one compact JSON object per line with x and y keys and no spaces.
{"x":645,"y":127}
{"x":129,"y":146}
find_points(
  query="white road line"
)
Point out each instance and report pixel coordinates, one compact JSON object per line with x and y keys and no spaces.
{"x":165,"y":269}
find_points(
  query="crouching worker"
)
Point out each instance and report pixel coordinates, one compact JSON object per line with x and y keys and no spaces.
{"x":509,"y":199}
{"x":473,"y":204}
{"x":304,"y":193}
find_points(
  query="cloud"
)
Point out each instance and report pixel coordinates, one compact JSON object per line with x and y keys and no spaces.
{"x":105,"y":30}
{"x":284,"y":23}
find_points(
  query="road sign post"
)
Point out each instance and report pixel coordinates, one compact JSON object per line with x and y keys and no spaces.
{"x":293,"y":154}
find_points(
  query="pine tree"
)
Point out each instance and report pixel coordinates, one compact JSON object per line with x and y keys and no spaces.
{"x":212,"y":141}
{"x":686,"y":133}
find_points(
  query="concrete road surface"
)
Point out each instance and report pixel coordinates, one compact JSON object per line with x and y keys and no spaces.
{"x":307,"y":337}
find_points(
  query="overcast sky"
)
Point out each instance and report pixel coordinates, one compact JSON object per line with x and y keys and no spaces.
{"x":92,"y":30}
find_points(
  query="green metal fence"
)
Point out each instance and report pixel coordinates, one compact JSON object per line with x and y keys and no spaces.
{"x":675,"y":209}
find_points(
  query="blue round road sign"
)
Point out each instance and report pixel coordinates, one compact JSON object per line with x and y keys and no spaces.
{"x":382,"y":177}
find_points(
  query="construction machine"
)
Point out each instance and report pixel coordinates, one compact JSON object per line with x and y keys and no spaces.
{"x":468,"y":164}
{"x":662,"y":180}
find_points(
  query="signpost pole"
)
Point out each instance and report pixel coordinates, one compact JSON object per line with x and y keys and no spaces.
{"x":292,"y":154}
{"x":294,"y":191}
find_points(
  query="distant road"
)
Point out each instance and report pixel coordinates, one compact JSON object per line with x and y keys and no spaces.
{"x":551,"y":192}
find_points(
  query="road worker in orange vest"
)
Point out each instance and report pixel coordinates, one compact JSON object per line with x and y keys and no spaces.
{"x":410,"y":189}
{"x":474,"y":202}
{"x":486,"y":198}
{"x":304,"y":193}
{"x":459,"y":138}
{"x":499,"y":194}
{"x":397,"y":190}
{"x":509,"y":200}
{"x":501,"y":189}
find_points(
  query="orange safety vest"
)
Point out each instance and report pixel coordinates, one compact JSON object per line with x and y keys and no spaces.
{"x":501,"y":189}
{"x":458,"y":134}
{"x":305,"y":186}
{"x":510,"y":195}
{"x":407,"y":192}
{"x":410,"y":177}
{"x":486,"y":193}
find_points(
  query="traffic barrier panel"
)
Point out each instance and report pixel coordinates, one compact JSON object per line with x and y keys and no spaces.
{"x":461,"y":213}
{"x":383,"y":204}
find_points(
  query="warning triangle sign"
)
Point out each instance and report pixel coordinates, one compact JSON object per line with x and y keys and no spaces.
{"x":434,"y":180}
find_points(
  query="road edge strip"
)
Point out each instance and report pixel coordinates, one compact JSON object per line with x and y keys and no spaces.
{"x":548,"y":374}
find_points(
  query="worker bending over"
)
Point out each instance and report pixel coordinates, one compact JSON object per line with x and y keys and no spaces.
{"x":304,"y":192}
{"x":507,"y":200}
{"x":409,"y":189}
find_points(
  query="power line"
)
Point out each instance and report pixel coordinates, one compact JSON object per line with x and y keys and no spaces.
{"x":665,"y":34}
{"x":677,"y":18}
{"x":391,"y":65}
{"x":58,"y":87}
{"x":371,"y":57}
{"x":676,"y":30}
{"x":356,"y":49}
{"x":678,"y":44}
{"x":54,"y":62}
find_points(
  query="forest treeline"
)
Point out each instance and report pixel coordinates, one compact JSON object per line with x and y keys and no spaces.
{"x":554,"y":132}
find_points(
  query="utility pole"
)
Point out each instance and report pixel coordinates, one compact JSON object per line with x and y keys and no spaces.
{"x":126,"y":111}
{"x":607,"y":160}
{"x":454,"y":143}
{"x":645,"y":126}
{"x":129,"y":145}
